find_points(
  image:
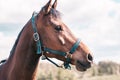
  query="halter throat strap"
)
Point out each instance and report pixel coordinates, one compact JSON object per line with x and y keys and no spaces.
{"x":41,"y":50}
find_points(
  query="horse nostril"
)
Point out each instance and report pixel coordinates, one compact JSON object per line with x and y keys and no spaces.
{"x":89,"y":58}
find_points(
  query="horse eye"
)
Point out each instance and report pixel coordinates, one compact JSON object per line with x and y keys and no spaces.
{"x":58,"y":28}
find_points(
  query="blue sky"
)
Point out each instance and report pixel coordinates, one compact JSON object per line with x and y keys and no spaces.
{"x":96,"y":22}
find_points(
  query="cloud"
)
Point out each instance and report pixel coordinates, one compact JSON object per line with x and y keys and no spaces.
{"x":18,"y":11}
{"x":96,"y":22}
{"x":6,"y":43}
{"x":117,"y":1}
{"x":98,"y":27}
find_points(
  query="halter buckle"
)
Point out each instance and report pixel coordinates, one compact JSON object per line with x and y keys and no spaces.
{"x":36,"y":36}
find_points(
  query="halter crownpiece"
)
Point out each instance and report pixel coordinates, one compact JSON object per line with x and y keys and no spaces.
{"x":36,"y":35}
{"x":41,"y":50}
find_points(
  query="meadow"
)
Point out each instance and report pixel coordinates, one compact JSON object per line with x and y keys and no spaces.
{"x":104,"y":70}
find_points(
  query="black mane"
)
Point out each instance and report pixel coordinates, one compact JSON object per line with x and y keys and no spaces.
{"x":55,"y":13}
{"x":13,"y":49}
{"x":15,"y":44}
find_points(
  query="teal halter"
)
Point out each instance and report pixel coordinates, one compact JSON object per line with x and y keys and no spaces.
{"x":41,"y":50}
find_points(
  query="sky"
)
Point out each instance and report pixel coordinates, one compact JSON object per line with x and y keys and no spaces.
{"x":96,"y":22}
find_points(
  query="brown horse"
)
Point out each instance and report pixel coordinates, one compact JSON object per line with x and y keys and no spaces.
{"x":52,"y":33}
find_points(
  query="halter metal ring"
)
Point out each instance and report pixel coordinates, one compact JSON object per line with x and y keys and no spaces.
{"x":68,"y":55}
{"x":36,"y":36}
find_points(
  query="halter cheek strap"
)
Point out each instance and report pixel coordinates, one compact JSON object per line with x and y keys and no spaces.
{"x":42,"y":50}
{"x":36,"y":35}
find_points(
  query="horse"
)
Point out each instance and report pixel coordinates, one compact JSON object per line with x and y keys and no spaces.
{"x":45,"y":35}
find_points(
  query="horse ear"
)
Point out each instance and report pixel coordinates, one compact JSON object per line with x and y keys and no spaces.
{"x":55,"y":4}
{"x":47,"y":7}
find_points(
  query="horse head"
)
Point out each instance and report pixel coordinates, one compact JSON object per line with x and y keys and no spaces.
{"x":56,"y":36}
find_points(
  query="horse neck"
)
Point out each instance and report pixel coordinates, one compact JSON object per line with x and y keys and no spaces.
{"x":24,"y":62}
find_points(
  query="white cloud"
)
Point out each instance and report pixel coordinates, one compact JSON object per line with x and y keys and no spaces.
{"x":101,"y":29}
{"x":95,"y":21}
{"x":6,"y":43}
{"x":18,"y":11}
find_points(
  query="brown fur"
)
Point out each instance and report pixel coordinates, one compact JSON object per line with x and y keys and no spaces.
{"x":23,"y":62}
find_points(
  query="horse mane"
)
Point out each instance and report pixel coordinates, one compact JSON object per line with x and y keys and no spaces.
{"x":13,"y":49}
{"x":55,"y":13}
{"x":15,"y":44}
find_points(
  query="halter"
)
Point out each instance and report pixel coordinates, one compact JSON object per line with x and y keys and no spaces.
{"x":41,"y":50}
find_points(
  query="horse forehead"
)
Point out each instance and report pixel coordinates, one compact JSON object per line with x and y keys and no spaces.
{"x":56,"y":21}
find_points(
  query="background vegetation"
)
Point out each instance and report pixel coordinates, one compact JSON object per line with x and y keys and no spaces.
{"x":104,"y":70}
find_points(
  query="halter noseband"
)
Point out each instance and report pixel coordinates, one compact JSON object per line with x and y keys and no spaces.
{"x":41,"y":50}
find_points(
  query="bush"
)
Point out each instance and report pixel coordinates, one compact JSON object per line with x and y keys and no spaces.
{"x":108,"y":68}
